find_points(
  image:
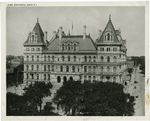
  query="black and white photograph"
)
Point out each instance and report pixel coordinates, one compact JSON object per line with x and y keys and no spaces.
{"x":75,"y":60}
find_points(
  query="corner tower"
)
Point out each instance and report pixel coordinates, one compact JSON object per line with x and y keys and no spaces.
{"x":36,"y":41}
{"x":111,"y":53}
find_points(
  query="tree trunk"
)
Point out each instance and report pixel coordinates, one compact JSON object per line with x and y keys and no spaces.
{"x":40,"y":106}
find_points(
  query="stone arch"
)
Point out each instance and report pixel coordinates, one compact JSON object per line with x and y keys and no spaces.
{"x":71,"y":78}
{"x":65,"y":79}
{"x":114,"y":79}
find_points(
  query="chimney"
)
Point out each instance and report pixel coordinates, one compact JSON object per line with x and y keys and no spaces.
{"x":119,"y":31}
{"x":68,"y":32}
{"x":100,"y":33}
{"x":84,"y":32}
{"x":45,"y":37}
{"x":54,"y":34}
{"x":60,"y":32}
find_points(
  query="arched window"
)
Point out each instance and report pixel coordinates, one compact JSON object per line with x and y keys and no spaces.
{"x":68,"y":58}
{"x":85,"y":78}
{"x":37,"y":67}
{"x":102,"y":58}
{"x":85,"y":69}
{"x":32,"y":38}
{"x":32,"y":67}
{"x":27,"y":58}
{"x":108,"y":37}
{"x":44,"y":58}
{"x":37,"y":58}
{"x":32,"y":76}
{"x":114,"y":69}
{"x":27,"y":67}
{"x":101,"y":69}
{"x":27,"y":76}
{"x":114,"y":79}
{"x":68,"y":46}
{"x":52,"y":67}
{"x":74,"y":47}
{"x":67,"y":68}
{"x":52,"y":58}
{"x":44,"y":67}
{"x":89,"y":68}
{"x":108,"y":69}
{"x":89,"y":77}
{"x":85,"y":58}
{"x":108,"y":59}
{"x":61,"y":68}
{"x":32,"y":58}
{"x":73,"y":69}
{"x":63,"y":59}
{"x":37,"y":76}
{"x":48,"y":58}
{"x":114,"y":58}
{"x":44,"y":76}
{"x":89,"y":58}
{"x":94,"y":59}
{"x":94,"y":68}
{"x":94,"y":78}
{"x":101,"y":79}
{"x":63,"y":47}
{"x":74,"y":58}
{"x":48,"y":76}
{"x":48,"y":67}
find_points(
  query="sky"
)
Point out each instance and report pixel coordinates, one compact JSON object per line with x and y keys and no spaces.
{"x":21,"y":20}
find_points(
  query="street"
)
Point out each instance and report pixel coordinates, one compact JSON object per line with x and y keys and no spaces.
{"x":138,"y":91}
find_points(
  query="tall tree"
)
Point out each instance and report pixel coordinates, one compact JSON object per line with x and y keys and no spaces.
{"x":18,"y":106}
{"x":37,"y":91}
{"x":94,"y":99}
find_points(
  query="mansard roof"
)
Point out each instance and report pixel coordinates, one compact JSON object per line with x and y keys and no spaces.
{"x":111,"y":27}
{"x":86,"y":44}
{"x":117,"y":35}
{"x":37,"y":30}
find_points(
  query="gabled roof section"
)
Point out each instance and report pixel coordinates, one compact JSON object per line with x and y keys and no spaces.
{"x":86,"y":44}
{"x":37,"y":30}
{"x":111,"y":27}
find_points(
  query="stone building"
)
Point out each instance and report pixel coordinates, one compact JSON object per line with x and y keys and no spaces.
{"x":75,"y":57}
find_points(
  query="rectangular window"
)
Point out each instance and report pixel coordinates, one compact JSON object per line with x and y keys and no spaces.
{"x":114,"y":49}
{"x":101,"y":49}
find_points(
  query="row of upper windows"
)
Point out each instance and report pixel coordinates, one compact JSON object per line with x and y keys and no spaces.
{"x":108,"y":49}
{"x":69,"y":47}
{"x":33,"y":49}
{"x":101,"y":69}
{"x":37,"y":76}
{"x":86,"y":58}
{"x":89,"y":68}
{"x":108,"y":37}
{"x":33,"y":38}
{"x":45,"y":68}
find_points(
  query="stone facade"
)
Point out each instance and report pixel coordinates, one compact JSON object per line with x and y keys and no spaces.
{"x":75,"y":57}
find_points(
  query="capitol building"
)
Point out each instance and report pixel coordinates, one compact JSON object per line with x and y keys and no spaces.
{"x":75,"y":57}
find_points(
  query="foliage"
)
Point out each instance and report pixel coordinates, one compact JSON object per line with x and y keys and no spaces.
{"x":37,"y":91}
{"x":94,"y":99}
{"x":9,"y":58}
{"x":48,"y":110}
{"x":139,"y":61}
{"x":130,"y":71}
{"x":15,"y":78}
{"x":18,"y":106}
